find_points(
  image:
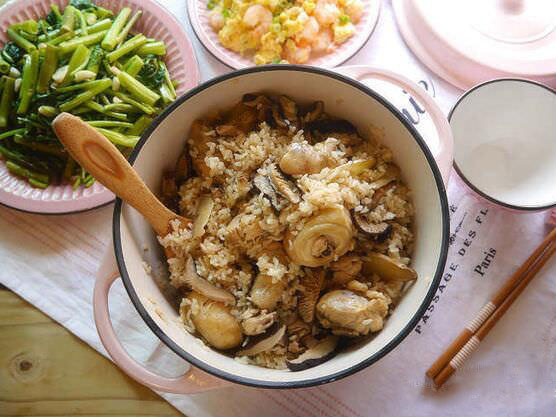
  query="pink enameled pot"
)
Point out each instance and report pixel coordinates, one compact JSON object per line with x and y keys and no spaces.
{"x":158,"y":151}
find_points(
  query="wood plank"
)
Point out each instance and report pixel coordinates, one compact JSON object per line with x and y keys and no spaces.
{"x":75,"y":407}
{"x":14,"y":311}
{"x":45,"y":370}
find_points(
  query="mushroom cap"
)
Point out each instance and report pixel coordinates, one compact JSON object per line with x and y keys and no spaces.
{"x":265,"y":293}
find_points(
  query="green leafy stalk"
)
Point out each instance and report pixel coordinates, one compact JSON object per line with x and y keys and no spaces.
{"x":91,"y":39}
{"x":29,"y":26}
{"x":12,"y":132}
{"x":152,"y":48}
{"x":119,"y":107}
{"x":127,"y":99}
{"x":93,"y":105}
{"x":134,"y":65}
{"x":20,"y":40}
{"x":37,"y":184}
{"x":41,"y":147}
{"x":127,"y":47}
{"x":166,"y":94}
{"x":95,"y":59}
{"x":48,"y":67}
{"x":26,"y":173}
{"x":86,"y":95}
{"x":140,"y":125}
{"x":116,"y":115}
{"x":167,"y":90}
{"x":123,"y":34}
{"x":137,"y":89}
{"x":119,"y":138}
{"x":81,"y":86}
{"x":7,"y":99}
{"x":77,"y":62}
{"x":110,"y":123}
{"x":50,"y":35}
{"x":103,"y":13}
{"x":61,"y":38}
{"x":56,"y":36}
{"x":111,"y":37}
{"x":167,"y":79}
{"x":99,"y":26}
{"x":28,"y":81}
{"x":82,"y":22}
{"x":68,"y":19}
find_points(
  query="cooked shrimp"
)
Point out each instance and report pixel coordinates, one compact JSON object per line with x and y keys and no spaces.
{"x":323,"y":42}
{"x":310,"y":31}
{"x":259,"y":18}
{"x":299,"y":54}
{"x":326,"y":12}
{"x":354,"y":9}
{"x":216,"y":20}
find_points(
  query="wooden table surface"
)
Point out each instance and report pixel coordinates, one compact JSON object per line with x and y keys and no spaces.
{"x":47,"y":371}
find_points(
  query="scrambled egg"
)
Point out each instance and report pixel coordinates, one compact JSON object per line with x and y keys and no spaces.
{"x":274,"y":31}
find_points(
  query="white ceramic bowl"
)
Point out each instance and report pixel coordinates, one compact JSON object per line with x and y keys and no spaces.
{"x":158,"y":151}
{"x":504,"y":145}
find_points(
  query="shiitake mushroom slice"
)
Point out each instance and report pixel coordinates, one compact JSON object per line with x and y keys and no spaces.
{"x":320,"y":353}
{"x":265,"y":341}
{"x":387,"y":268}
{"x":327,"y":126}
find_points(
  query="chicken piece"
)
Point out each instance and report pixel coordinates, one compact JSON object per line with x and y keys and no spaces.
{"x":258,"y":324}
{"x":301,"y":158}
{"x":349,"y":314}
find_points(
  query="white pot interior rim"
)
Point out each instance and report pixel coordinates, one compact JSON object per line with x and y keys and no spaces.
{"x":488,"y":197}
{"x":117,"y":238}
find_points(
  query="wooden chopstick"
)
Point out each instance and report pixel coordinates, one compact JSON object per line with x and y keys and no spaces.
{"x":461,"y":356}
{"x":486,"y":311}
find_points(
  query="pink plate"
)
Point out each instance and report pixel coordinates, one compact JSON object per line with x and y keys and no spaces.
{"x":156,"y":22}
{"x":199,"y":16}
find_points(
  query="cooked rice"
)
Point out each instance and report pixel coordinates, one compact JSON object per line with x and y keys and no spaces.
{"x":244,"y":234}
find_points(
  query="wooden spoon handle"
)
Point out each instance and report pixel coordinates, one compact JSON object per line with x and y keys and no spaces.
{"x":104,"y":161}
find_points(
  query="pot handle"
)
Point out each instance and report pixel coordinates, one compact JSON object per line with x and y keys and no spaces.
{"x":444,"y":150}
{"x":193,"y":381}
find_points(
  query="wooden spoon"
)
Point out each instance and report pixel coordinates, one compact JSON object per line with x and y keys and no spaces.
{"x":104,"y":161}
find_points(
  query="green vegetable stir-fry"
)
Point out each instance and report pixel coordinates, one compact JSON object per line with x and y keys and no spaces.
{"x":82,"y":60}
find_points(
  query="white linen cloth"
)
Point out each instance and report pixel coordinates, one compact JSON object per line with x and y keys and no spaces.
{"x":51,"y":260}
